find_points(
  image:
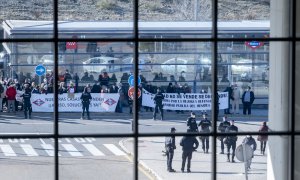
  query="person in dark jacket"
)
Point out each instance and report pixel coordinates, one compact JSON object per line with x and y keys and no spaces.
{"x":229,"y":89}
{"x":96,"y":88}
{"x":158,"y":98}
{"x":191,"y":123}
{"x":249,"y":140}
{"x":263,"y":138}
{"x":85,"y":100}
{"x":231,"y":140}
{"x":222,"y":127}
{"x":247,"y":100}
{"x":170,"y":145}
{"x":189,"y":144}
{"x":26,"y":102}
{"x":204,"y":125}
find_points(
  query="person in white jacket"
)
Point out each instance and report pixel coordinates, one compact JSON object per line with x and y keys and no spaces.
{"x":236,"y":102}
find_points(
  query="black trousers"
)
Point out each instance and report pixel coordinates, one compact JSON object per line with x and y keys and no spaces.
{"x":85,"y":107}
{"x":205,"y":142}
{"x":246,"y":107}
{"x":222,"y":144}
{"x":161,"y":111}
{"x":186,"y":155}
{"x":232,"y":146}
{"x":27,"y":108}
{"x":170,"y":155}
{"x":263,"y":146}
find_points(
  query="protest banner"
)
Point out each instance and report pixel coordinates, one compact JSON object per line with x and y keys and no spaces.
{"x":188,"y":101}
{"x":101,"y":102}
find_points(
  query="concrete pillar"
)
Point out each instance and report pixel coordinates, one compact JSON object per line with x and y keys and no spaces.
{"x":278,"y":156}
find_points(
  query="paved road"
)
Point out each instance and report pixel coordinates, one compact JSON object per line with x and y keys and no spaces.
{"x":90,"y":158}
{"x":80,"y":158}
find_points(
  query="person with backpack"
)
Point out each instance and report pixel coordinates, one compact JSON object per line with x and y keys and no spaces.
{"x":170,"y":146}
{"x":249,"y":140}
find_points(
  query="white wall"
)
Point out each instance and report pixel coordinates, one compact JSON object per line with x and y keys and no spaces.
{"x":278,"y":160}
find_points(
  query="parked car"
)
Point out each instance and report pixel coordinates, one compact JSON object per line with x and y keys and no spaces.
{"x":100,"y":64}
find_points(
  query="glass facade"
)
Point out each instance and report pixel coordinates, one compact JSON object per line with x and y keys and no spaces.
{"x":97,"y":70}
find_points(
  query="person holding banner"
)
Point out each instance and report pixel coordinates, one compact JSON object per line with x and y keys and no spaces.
{"x":85,"y":100}
{"x":158,"y":98}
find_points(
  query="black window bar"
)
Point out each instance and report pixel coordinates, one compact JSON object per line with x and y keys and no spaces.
{"x":136,"y":39}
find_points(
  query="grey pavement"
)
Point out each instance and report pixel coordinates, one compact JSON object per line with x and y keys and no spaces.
{"x":151,"y":156}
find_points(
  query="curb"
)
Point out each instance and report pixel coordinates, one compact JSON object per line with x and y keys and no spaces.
{"x":142,"y":163}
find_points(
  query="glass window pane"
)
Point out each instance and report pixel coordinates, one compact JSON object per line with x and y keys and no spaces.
{"x":95,"y":19}
{"x":246,"y":19}
{"x":81,"y":158}
{"x":200,"y":164}
{"x":182,"y":72}
{"x":297,"y":87}
{"x":26,"y":79}
{"x":103,"y":68}
{"x":266,"y":164}
{"x":175,"y":19}
{"x":26,"y":159}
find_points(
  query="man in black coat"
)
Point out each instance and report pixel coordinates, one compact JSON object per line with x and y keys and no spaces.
{"x":26,"y":101}
{"x":158,"y":98}
{"x":222,"y":127}
{"x":247,"y":100}
{"x":85,"y":100}
{"x":204,"y":125}
{"x":231,"y":140}
{"x":189,"y":144}
{"x":191,"y":123}
{"x":170,"y":145}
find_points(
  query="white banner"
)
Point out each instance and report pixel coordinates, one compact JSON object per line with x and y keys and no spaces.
{"x":188,"y":101}
{"x":104,"y":102}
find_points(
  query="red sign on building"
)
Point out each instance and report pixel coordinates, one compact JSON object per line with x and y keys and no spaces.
{"x":71,"y":45}
{"x":254,"y":44}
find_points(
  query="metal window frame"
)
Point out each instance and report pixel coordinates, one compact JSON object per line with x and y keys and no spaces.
{"x":136,"y":39}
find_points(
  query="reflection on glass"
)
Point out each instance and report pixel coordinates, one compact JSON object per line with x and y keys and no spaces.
{"x":93,"y":87}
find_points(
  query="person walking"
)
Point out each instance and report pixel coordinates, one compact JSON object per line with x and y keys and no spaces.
{"x":222,"y":127}
{"x":170,"y":146}
{"x":192,"y":123}
{"x":247,"y":100}
{"x":204,"y":128}
{"x":26,"y":101}
{"x":235,"y":103}
{"x":249,"y":140}
{"x":85,"y":100}
{"x":11,"y":97}
{"x":189,"y":144}
{"x":158,"y":98}
{"x":263,"y":138}
{"x":231,"y":141}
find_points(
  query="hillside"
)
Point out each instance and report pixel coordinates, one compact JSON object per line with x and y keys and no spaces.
{"x":122,"y":10}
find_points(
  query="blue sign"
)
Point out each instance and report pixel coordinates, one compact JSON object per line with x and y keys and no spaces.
{"x":131,"y":80}
{"x":40,"y":70}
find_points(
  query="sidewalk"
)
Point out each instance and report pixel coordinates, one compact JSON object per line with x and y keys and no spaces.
{"x":150,"y":156}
